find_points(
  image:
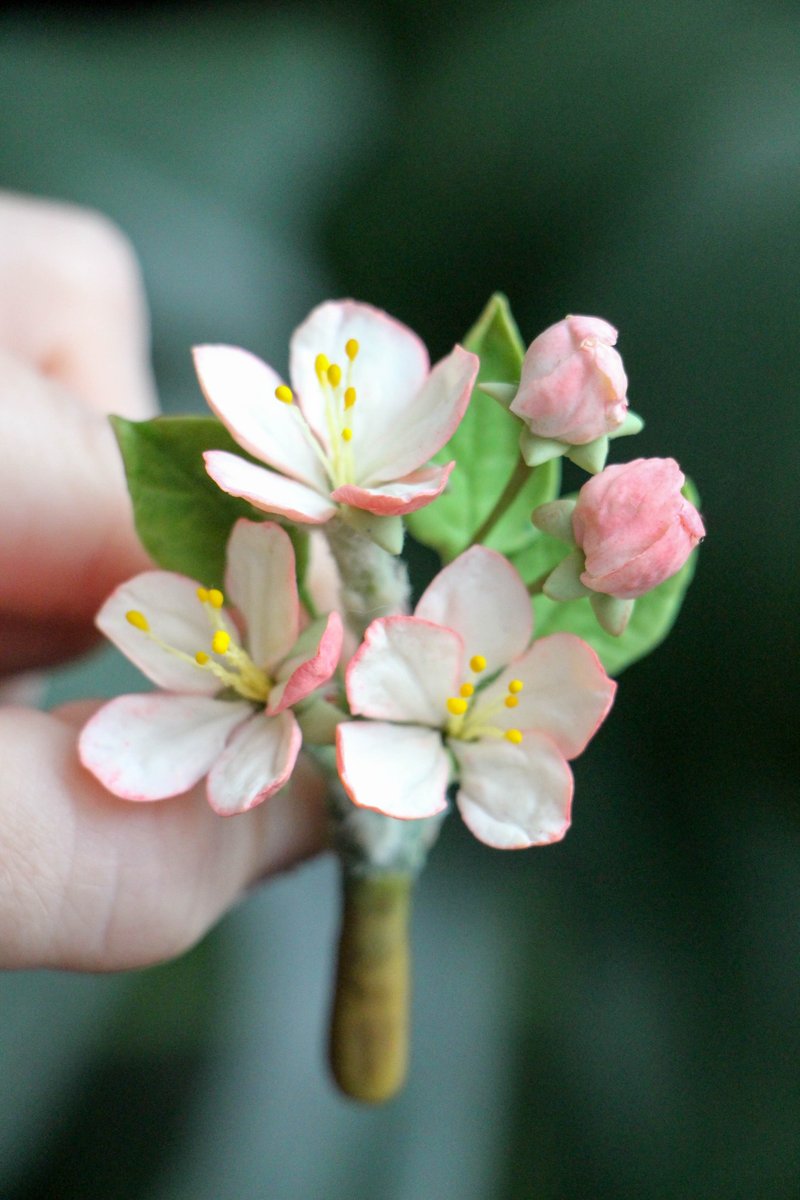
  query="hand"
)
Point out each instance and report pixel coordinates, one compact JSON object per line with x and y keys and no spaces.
{"x":87,"y":881}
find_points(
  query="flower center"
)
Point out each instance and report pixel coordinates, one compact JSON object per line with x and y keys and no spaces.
{"x":470,"y":718}
{"x":226,"y":660}
{"x":339,"y":395}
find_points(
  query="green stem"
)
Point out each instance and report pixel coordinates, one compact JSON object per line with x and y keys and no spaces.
{"x":369,"y":1021}
{"x":374,"y":583}
{"x":519,"y":477}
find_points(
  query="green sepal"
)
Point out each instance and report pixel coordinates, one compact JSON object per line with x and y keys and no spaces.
{"x":386,"y":532}
{"x":612,"y":613}
{"x":632,"y":424}
{"x":564,"y":581}
{"x":182,"y":517}
{"x":486,"y":449}
{"x":591,"y":456}
{"x":555,"y":518}
{"x":537,"y":450}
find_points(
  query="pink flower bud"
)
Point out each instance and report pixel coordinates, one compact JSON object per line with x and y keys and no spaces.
{"x":635,"y":527}
{"x":573,"y":384}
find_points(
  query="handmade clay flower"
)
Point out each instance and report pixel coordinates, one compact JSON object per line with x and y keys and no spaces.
{"x":363,"y":416}
{"x":420,"y":680}
{"x":573,"y":385}
{"x":571,"y":396}
{"x":631,"y":529}
{"x":226,"y":708}
{"x":635,"y":527}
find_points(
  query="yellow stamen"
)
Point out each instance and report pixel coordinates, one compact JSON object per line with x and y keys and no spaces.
{"x":466,"y":689}
{"x":284,"y":394}
{"x":201,"y":658}
{"x":514,"y":736}
{"x":215,"y":598}
{"x":321,"y":365}
{"x":477,"y":663}
{"x":515,"y":686}
{"x":511,"y":701}
{"x":334,"y":375}
{"x":202,"y":595}
{"x":347,"y":434}
{"x":350,"y":397}
{"x":351,"y":348}
{"x":220,"y":641}
{"x":457,"y":706}
{"x":137,"y":620}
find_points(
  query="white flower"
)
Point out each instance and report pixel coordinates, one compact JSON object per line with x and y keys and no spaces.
{"x":364,"y":415}
{"x":225,"y":710}
{"x":419,"y":679}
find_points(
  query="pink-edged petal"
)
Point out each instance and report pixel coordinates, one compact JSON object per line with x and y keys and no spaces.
{"x":399,"y":770}
{"x":403,"y":496}
{"x":260,"y":581}
{"x":512,"y":797}
{"x":483,"y":598}
{"x":257,"y":762}
{"x":311,"y":664}
{"x":391,"y":364}
{"x":402,"y":436}
{"x":240,"y":389}
{"x":404,"y":670}
{"x":266,"y":490}
{"x":323,"y":582}
{"x":175,"y":617}
{"x":566,"y":692}
{"x":152,"y":746}
{"x":324,"y":588}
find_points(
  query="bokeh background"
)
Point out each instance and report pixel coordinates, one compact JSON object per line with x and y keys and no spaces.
{"x":614,"y":1017}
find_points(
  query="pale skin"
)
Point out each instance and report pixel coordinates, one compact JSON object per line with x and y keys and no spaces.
{"x":88,"y":881}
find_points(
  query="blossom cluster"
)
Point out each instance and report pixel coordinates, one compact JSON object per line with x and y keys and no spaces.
{"x":457,"y":694}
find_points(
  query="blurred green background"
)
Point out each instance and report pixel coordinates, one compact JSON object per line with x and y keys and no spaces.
{"x":616,"y":1016}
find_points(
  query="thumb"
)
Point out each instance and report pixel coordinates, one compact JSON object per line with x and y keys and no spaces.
{"x":90,"y":882}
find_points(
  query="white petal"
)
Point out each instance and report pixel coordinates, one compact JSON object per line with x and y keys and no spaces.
{"x":566,"y":695}
{"x":322,"y":581}
{"x":399,"y":770}
{"x":514,"y":796}
{"x":257,"y":762}
{"x":266,"y":490}
{"x":483,"y":598}
{"x":391,"y":365}
{"x":240,"y":389}
{"x":152,"y":746}
{"x":404,"y":435}
{"x":260,"y":581}
{"x":405,"y":670}
{"x":176,"y":617}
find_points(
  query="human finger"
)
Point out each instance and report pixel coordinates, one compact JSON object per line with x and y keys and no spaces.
{"x":72,"y":303}
{"x":91,"y":882}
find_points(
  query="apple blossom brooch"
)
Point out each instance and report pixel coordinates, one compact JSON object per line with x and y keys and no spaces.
{"x":279,"y":612}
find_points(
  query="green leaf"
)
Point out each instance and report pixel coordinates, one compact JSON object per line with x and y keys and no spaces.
{"x":183,"y":519}
{"x":653,"y":614}
{"x":486,"y":449}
